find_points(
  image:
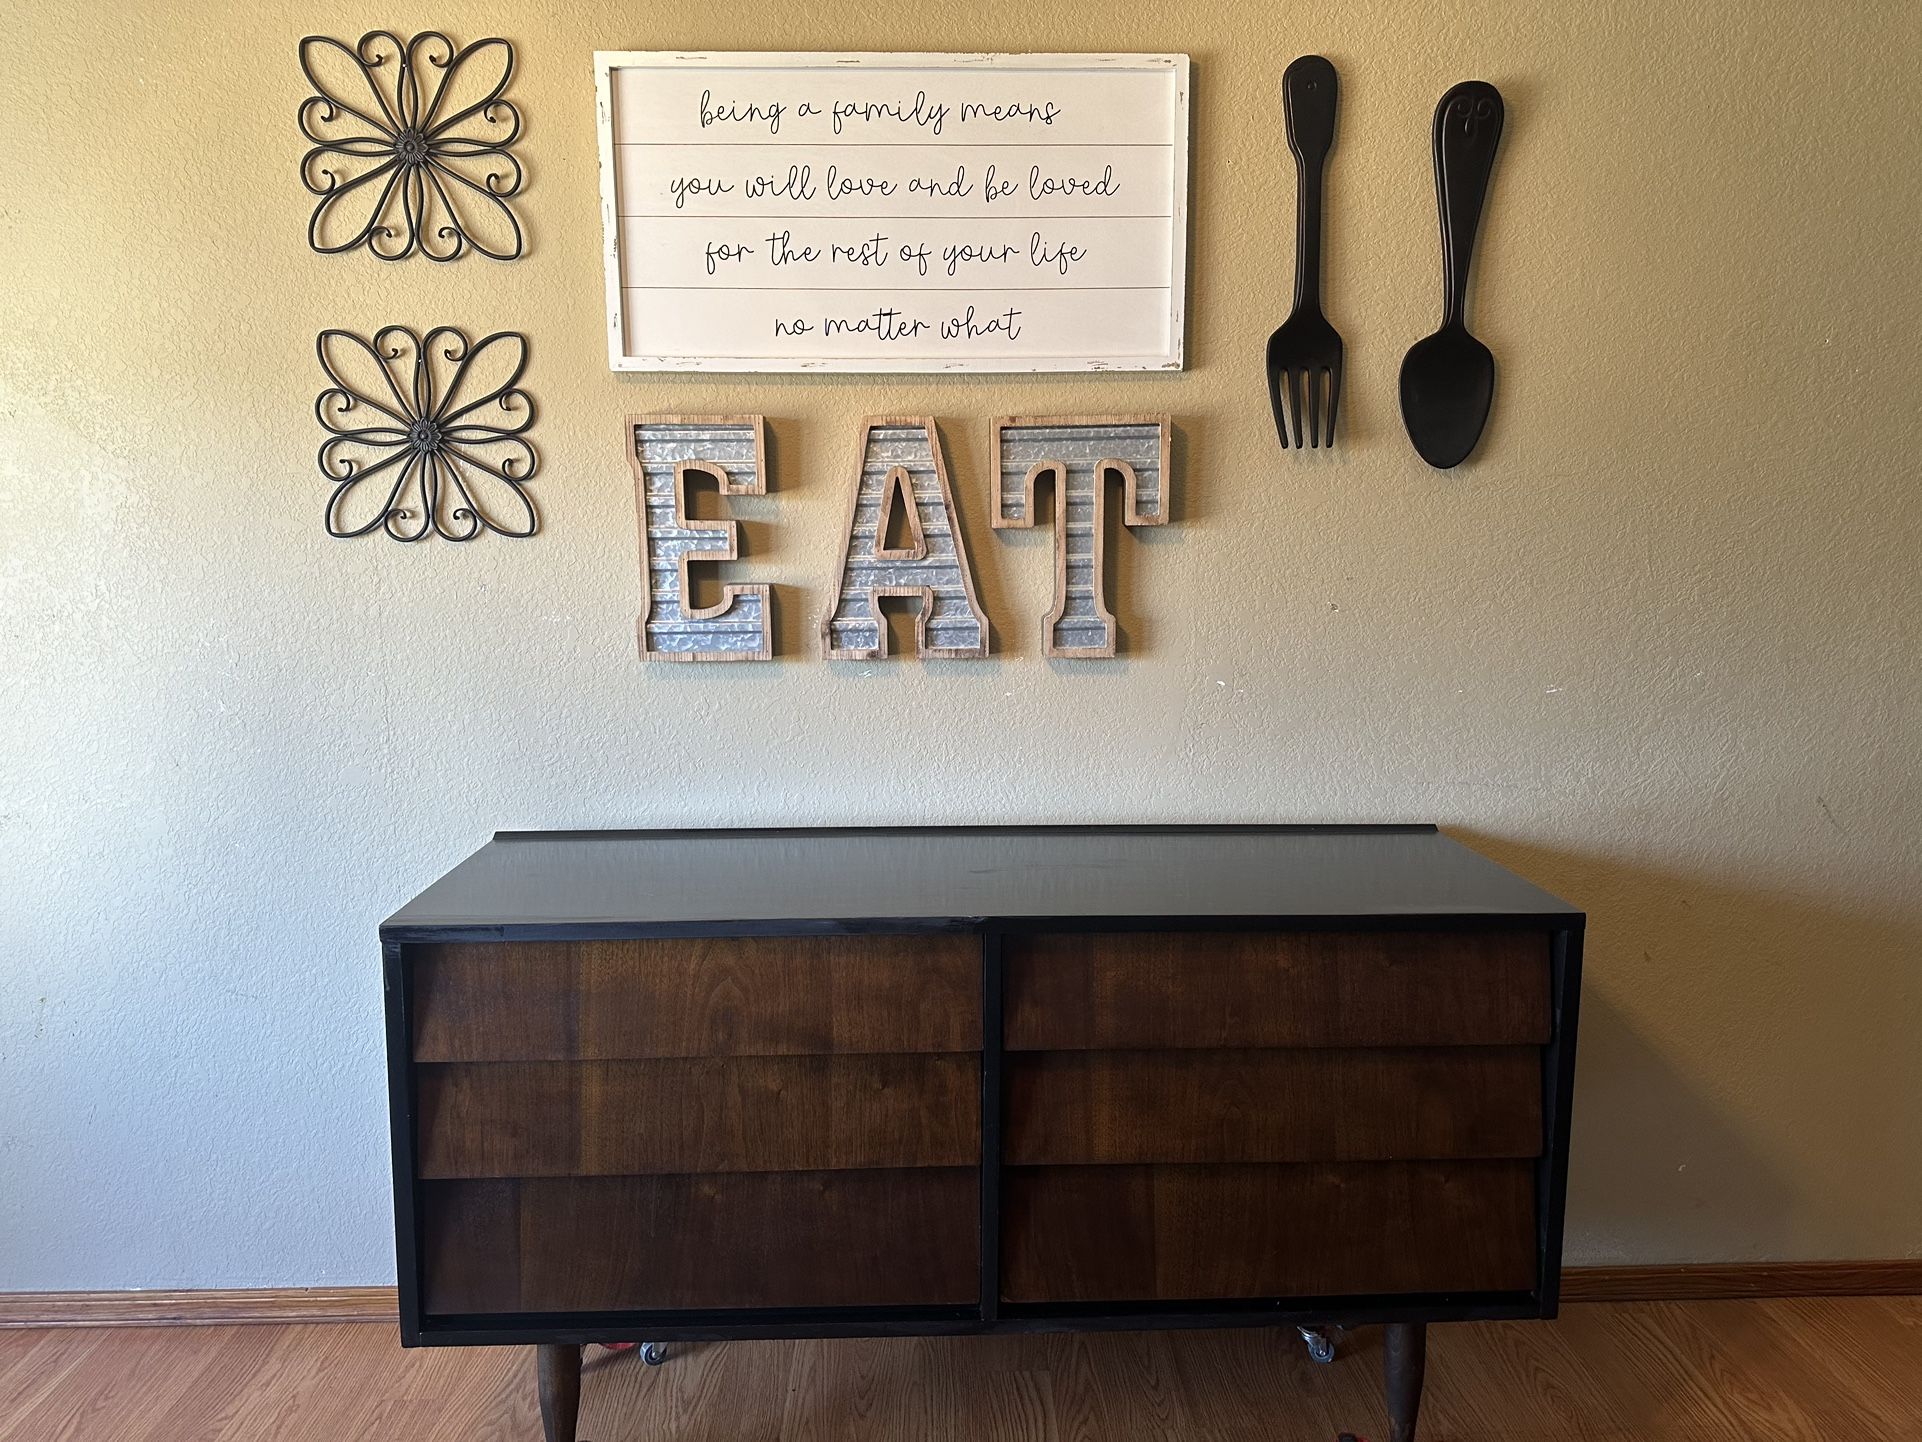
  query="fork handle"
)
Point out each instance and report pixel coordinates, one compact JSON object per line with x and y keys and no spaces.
{"x":1468,"y":127}
{"x":1308,"y":93}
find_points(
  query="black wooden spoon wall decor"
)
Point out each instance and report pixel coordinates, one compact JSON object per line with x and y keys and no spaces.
{"x":1448,"y":378}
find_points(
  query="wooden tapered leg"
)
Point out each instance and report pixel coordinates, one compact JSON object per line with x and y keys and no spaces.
{"x":1404,"y":1359}
{"x":560,"y":1380}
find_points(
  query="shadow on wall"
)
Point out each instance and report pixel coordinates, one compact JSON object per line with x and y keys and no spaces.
{"x":1658,"y":1172}
{"x":1747,"y":1069}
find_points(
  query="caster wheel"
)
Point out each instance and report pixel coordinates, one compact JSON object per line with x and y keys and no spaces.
{"x":1321,"y":1344}
{"x":654,"y":1353}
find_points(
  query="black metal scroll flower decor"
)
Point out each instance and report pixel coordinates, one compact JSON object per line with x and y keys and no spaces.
{"x":410,"y":146}
{"x":426,"y":434}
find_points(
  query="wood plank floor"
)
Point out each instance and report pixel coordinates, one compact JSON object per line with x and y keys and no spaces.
{"x":1827,"y":1370}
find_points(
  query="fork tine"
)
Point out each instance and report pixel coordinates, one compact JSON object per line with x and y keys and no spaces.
{"x":1313,"y":376}
{"x":1294,"y":402}
{"x":1334,"y":396}
{"x":1281,"y":413}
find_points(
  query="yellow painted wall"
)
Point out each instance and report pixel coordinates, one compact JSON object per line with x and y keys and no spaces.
{"x":1655,"y":647}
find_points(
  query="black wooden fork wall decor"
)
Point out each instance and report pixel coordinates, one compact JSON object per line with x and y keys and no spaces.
{"x":1304,"y":353}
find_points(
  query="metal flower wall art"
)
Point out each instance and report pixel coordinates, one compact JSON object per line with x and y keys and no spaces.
{"x":411,"y":146}
{"x":426,"y":434}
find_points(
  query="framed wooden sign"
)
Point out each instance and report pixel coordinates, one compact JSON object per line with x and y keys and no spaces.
{"x":870,"y":212}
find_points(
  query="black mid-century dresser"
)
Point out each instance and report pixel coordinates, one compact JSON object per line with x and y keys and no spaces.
{"x":676,"y":1085}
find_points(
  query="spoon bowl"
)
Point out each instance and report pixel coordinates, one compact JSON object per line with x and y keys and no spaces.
{"x":1447,"y":388}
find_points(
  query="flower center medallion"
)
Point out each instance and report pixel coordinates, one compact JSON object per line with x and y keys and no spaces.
{"x":410,"y":148}
{"x":424,"y":435}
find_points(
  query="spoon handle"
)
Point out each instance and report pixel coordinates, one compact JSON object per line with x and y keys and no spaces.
{"x":1468,"y":127}
{"x":1308,"y":93}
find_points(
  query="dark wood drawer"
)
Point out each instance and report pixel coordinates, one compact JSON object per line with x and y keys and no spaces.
{"x":718,"y":1114}
{"x":1191,"y":1233}
{"x":1403,"y":1104}
{"x":1140,"y":990}
{"x":776,"y":1239}
{"x":714,"y":996}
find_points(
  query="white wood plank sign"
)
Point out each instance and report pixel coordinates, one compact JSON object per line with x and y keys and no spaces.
{"x":796,"y":212}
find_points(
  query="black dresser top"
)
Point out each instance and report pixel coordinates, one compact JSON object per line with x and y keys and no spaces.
{"x":559,"y":883}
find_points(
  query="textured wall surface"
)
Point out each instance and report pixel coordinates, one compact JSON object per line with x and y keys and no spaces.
{"x":1655,"y":647}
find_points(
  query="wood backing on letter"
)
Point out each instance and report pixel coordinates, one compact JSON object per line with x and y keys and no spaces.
{"x":950,"y":623}
{"x":662,"y":451}
{"x":1078,"y":455}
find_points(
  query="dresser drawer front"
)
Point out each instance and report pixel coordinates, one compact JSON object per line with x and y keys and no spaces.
{"x":1306,"y":1104}
{"x":671,"y":1243}
{"x":709,"y":996}
{"x":717,"y":1114}
{"x":1195,"y":1233}
{"x":1145,"y":990}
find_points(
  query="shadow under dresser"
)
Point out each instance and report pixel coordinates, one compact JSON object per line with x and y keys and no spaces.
{"x":692,"y":1085}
